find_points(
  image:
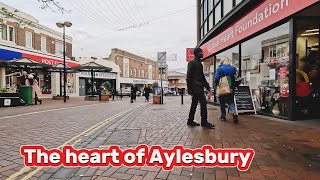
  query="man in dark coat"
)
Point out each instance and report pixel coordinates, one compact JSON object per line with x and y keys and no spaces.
{"x":196,"y":83}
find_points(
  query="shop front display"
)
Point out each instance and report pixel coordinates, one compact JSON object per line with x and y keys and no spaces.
{"x":264,"y":66}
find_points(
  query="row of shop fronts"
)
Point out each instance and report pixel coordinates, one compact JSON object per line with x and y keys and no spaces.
{"x":78,"y":84}
{"x":275,"y":47}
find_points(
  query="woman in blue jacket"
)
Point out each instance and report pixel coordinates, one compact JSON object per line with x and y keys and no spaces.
{"x":227,"y":69}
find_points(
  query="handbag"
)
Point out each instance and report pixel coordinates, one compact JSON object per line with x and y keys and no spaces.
{"x":223,"y":86}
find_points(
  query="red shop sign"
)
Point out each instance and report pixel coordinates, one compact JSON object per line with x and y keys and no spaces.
{"x":49,"y":61}
{"x":264,"y":15}
{"x":190,"y":55}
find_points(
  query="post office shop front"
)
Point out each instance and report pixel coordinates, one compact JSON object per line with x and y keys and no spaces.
{"x":275,"y":46}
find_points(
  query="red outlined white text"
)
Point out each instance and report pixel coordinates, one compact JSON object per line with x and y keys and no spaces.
{"x":140,"y":156}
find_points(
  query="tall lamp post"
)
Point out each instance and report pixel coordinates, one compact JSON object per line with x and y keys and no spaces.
{"x":64,"y":25}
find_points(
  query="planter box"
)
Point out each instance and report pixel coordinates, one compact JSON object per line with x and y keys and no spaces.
{"x":59,"y":98}
{"x":156,"y":99}
{"x":91,"y":98}
{"x":105,"y":97}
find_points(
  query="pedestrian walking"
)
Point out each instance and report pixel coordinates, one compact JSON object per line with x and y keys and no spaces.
{"x":196,"y":83}
{"x":227,"y":70}
{"x":147,"y":92}
{"x":134,"y":90}
{"x":36,"y":91}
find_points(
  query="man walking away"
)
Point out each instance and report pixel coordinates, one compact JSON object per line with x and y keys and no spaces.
{"x":147,"y":92}
{"x":196,"y":83}
{"x":226,"y":69}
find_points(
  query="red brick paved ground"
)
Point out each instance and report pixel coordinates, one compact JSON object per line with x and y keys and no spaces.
{"x":283,"y":151}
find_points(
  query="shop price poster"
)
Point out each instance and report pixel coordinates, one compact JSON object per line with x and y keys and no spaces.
{"x":284,"y":83}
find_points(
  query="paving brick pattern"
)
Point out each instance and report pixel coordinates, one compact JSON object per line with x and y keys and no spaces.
{"x":50,"y":129}
{"x":283,"y":151}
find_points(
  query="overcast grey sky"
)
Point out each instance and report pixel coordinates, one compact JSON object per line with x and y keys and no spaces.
{"x":93,"y":21}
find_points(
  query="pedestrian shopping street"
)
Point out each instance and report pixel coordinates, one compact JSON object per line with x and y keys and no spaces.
{"x":283,"y":150}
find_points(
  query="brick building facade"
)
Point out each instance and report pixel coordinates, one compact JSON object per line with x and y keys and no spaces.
{"x":137,"y":70}
{"x":22,"y":36}
{"x":177,"y":81}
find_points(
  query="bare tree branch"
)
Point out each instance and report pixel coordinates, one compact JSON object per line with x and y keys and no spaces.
{"x":53,"y":5}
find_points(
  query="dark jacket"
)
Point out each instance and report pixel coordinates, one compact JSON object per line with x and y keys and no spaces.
{"x":196,"y":81}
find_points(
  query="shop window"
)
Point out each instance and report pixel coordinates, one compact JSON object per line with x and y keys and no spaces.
{"x":232,"y":54}
{"x":227,"y":6}
{"x":308,"y":69}
{"x":28,"y":39}
{"x":265,"y":68}
{"x":43,"y":44}
{"x":217,"y":12}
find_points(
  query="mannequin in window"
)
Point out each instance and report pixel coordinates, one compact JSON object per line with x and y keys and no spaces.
{"x":36,"y":92}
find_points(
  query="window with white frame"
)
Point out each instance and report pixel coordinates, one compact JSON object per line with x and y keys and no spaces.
{"x":59,"y":48}
{"x":130,"y":72}
{"x":7,"y":33}
{"x":11,"y":34}
{"x":142,"y":75}
{"x":139,"y":73}
{"x":43,"y":44}
{"x":134,"y":72}
{"x":28,"y":39}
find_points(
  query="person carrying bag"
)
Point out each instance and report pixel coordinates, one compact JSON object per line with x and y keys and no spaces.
{"x":226,"y":81}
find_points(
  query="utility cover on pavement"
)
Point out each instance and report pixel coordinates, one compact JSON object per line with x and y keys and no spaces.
{"x":124,"y":137}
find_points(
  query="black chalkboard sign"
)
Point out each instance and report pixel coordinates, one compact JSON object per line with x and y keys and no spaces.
{"x":243,"y":100}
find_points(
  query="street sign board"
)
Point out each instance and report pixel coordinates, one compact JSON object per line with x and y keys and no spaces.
{"x":162,"y":58}
{"x":189,"y":54}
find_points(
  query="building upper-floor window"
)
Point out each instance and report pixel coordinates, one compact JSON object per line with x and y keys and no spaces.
{"x":181,"y":81}
{"x":28,"y":39}
{"x":59,"y":48}
{"x":139,"y":73}
{"x":7,"y":33}
{"x":227,"y":6}
{"x":43,"y":44}
{"x":130,"y":72}
{"x":134,"y":72}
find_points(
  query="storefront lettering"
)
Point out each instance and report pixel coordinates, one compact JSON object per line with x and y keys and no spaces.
{"x":101,"y":75}
{"x":264,"y":15}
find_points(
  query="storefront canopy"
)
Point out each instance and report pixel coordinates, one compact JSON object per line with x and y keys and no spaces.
{"x":92,"y":66}
{"x":24,"y":62}
{"x":60,"y":67}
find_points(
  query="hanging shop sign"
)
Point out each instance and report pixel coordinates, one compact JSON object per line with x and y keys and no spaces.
{"x":263,"y":16}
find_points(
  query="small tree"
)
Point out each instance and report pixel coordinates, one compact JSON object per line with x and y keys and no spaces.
{"x":105,"y":88}
{"x":155,"y":85}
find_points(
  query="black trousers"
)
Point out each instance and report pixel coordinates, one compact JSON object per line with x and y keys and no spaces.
{"x":196,"y":98}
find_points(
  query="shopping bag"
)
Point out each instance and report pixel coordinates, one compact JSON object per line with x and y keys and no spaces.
{"x":223,"y":87}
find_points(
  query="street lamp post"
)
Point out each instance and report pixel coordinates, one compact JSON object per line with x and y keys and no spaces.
{"x":64,"y":25}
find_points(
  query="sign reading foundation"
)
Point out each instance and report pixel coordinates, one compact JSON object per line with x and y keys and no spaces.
{"x":243,"y":100}
{"x":262,"y":16}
